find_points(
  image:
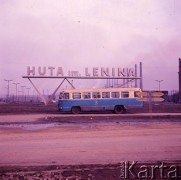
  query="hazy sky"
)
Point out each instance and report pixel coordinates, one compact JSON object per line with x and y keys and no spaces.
{"x":87,"y":33}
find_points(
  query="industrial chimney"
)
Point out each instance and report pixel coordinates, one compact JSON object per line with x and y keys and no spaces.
{"x":179,"y":76}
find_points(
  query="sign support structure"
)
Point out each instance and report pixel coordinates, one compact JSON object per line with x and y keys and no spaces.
{"x":149,"y":96}
{"x":53,"y":94}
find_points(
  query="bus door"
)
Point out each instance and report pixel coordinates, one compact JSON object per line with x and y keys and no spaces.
{"x":96,"y":96}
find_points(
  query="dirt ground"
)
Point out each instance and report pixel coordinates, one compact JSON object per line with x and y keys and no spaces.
{"x":52,"y":108}
{"x":41,"y":146}
{"x":100,"y":144}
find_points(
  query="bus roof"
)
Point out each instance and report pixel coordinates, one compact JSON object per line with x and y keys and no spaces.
{"x":101,"y":90}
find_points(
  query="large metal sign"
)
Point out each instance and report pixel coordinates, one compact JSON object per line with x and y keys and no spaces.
{"x":95,"y":72}
{"x":125,"y":73}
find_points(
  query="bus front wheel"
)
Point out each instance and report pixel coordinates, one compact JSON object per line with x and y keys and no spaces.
{"x":76,"y":110}
{"x":119,"y":109}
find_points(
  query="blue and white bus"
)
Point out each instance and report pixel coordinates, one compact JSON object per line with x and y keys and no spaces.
{"x":110,"y":99}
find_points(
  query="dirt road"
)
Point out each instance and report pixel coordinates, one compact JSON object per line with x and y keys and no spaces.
{"x":92,"y":143}
{"x":78,"y":143}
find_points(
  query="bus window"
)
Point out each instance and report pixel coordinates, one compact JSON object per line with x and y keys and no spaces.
{"x":124,"y":94}
{"x":105,"y":95}
{"x":96,"y":95}
{"x":115,"y":95}
{"x":61,"y":96}
{"x":76,"y":95}
{"x":136,"y":93}
{"x":86,"y":95}
{"x":66,"y":96}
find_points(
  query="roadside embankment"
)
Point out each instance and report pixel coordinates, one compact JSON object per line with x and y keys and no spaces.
{"x":52,"y":108}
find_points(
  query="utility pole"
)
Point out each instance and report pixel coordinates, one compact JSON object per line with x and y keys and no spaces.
{"x":141,"y":76}
{"x":23,"y":92}
{"x":8,"y":88}
{"x":136,"y":82}
{"x":159,"y":82}
{"x":16,"y":84}
{"x":179,"y":77}
{"x":28,"y":92}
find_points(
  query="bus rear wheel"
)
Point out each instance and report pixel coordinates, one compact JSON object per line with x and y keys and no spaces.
{"x":75,"y":110}
{"x":119,"y":109}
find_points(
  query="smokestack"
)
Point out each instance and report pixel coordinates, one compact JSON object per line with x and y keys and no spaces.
{"x":179,"y":76}
{"x":136,"y":84}
{"x":141,"y":76}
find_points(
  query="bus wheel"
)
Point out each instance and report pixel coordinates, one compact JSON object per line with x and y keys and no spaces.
{"x":76,"y":110}
{"x":119,"y":109}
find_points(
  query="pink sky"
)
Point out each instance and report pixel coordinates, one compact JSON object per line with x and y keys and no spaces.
{"x":79,"y":34}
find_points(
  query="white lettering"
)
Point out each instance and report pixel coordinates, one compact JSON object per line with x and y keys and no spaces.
{"x":42,"y":73}
{"x":51,"y":70}
{"x":173,"y":173}
{"x":122,"y":72}
{"x":74,"y":73}
{"x":153,"y":170}
{"x":105,"y":71}
{"x":95,"y":71}
{"x":86,"y":72}
{"x":130,"y":72}
{"x":143,"y":174}
{"x":31,"y":71}
{"x":59,"y":71}
{"x":113,"y":72}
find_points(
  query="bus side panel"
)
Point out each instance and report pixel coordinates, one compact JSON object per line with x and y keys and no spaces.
{"x":98,"y":104}
{"x":109,"y":104}
{"x":64,"y":105}
{"x":85,"y":105}
{"x":129,"y":103}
